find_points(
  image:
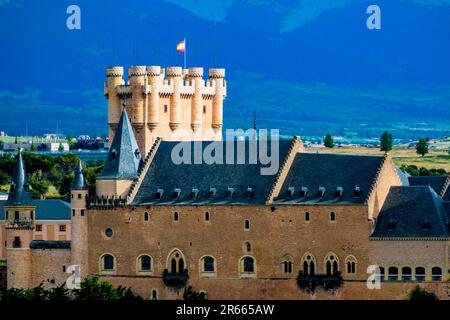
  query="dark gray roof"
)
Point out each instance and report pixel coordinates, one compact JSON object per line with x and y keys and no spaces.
{"x":45,"y":244}
{"x":19,"y":193}
{"x":435,"y":182}
{"x":330,"y":171}
{"x":446,"y":196}
{"x":50,"y":209}
{"x":79,"y":183}
{"x":166,"y":175}
{"x":124,"y":156}
{"x":412,"y":212}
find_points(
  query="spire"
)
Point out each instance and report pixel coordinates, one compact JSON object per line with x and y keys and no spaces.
{"x":124,"y":156}
{"x":19,"y":193}
{"x":79,"y":183}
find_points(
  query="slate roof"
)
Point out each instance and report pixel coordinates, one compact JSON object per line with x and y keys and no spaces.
{"x":164,"y":174}
{"x":19,"y":193}
{"x":330,"y":171}
{"x":79,"y":183}
{"x":412,"y":212}
{"x":437,"y":183}
{"x":124,"y":156}
{"x":50,"y":209}
{"x":45,"y":244}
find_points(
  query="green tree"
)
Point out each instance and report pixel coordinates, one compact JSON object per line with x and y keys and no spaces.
{"x":33,"y":147}
{"x":422,"y":147}
{"x":61,"y":147}
{"x":70,"y":141}
{"x":190,"y":294}
{"x":421,"y":294}
{"x":386,"y":142}
{"x":328,"y":141}
{"x":93,"y":289}
{"x":39,"y":186}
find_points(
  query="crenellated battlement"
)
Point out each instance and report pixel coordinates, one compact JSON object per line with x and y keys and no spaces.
{"x":160,"y":101}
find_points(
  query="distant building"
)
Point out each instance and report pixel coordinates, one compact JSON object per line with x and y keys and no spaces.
{"x":3,"y":196}
{"x":53,"y":146}
{"x":88,"y":144}
{"x":52,"y":136}
{"x":3,"y":134}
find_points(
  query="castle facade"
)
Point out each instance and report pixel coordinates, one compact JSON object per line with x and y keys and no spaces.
{"x":225,"y":229}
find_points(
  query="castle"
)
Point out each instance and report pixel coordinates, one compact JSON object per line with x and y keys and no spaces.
{"x":225,"y":229}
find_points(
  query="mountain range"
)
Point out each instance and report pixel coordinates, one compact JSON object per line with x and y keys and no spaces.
{"x":305,"y":67}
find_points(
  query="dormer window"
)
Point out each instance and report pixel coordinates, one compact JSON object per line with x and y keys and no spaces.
{"x":357,"y":192}
{"x":159,"y":193}
{"x":426,"y":225}
{"x":290,"y":192}
{"x":249,"y":192}
{"x":176,"y":193}
{"x":230,"y":192}
{"x":392,"y":224}
{"x":212,"y":192}
{"x":339,"y":191}
{"x":113,"y":154}
{"x":303,"y":192}
{"x":194,"y":193}
{"x":137,"y":153}
{"x":321,"y":192}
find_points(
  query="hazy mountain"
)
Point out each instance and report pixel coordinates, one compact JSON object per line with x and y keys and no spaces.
{"x":304,"y":67}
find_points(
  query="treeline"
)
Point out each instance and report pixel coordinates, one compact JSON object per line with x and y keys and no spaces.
{"x":90,"y":289}
{"x":45,"y":171}
{"x":413,"y":170}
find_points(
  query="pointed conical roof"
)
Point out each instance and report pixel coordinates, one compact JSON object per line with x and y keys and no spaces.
{"x":19,"y":193}
{"x":124,"y":155}
{"x":79,"y":183}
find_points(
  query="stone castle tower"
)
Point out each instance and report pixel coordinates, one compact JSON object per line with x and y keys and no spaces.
{"x":20,"y":215}
{"x":175,"y":105}
{"x":79,"y":224}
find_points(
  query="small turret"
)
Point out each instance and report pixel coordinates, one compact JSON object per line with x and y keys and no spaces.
{"x":19,"y":193}
{"x":79,"y":183}
{"x":122,"y":164}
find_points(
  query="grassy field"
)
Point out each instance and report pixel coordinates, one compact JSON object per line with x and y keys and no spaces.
{"x":402,"y":156}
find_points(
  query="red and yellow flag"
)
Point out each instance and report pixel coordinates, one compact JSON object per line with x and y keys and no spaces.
{"x":181,"y":46}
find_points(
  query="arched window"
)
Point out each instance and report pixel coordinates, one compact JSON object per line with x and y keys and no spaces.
{"x":350,"y":264}
{"x":331,"y":264}
{"x":175,"y":216}
{"x":287,"y":266}
{"x":393,"y":274}
{"x":332,"y":216}
{"x":307,"y":217}
{"x":436,"y":274}
{"x":206,"y":216}
{"x":381,"y":275}
{"x":247,"y":225}
{"x":107,"y":262}
{"x":248,"y":264}
{"x":144,"y":263}
{"x":154,"y":294}
{"x":146,"y":217}
{"x":406,"y":274}
{"x":308,"y":264}
{"x":176,"y":262}
{"x":208,"y":264}
{"x":420,"y":274}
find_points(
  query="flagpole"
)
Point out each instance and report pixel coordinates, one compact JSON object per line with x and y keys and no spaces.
{"x":185,"y":53}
